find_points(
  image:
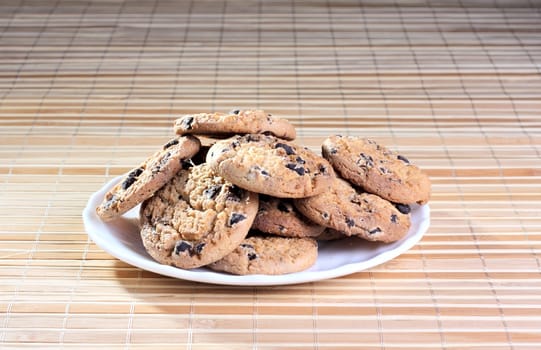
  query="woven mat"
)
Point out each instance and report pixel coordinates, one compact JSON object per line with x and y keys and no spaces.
{"x":88,"y":88}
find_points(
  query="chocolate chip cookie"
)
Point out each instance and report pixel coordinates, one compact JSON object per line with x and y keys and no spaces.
{"x":377,"y":169}
{"x":278,"y":216}
{"x":196,"y":218}
{"x":269,"y":165}
{"x":346,"y":209}
{"x":269,"y":255}
{"x":141,"y":183}
{"x":220,"y":125}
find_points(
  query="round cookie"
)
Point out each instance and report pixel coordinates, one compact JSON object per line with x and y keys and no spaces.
{"x":222,"y":125}
{"x":141,"y":183}
{"x":278,"y":216}
{"x":196,"y":218}
{"x":377,"y":169}
{"x":269,"y":255}
{"x":347,"y":210}
{"x":268,"y":165}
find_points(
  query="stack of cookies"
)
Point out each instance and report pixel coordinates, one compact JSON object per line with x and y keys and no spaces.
{"x":255,"y":202}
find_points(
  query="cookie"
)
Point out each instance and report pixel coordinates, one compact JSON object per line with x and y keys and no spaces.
{"x":141,"y":183}
{"x":268,"y":255}
{"x":196,"y":218}
{"x":269,"y":165}
{"x":346,"y":209}
{"x":278,"y":216}
{"x":377,"y":169}
{"x":220,"y":125}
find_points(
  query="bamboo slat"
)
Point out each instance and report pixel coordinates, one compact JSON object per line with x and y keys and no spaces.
{"x":89,"y":88}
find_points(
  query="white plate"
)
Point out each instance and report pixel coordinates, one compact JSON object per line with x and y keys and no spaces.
{"x":121,"y":239}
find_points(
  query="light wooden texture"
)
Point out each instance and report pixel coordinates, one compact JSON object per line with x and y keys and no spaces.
{"x":89,"y":88}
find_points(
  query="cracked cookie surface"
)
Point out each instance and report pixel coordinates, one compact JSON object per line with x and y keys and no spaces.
{"x":377,"y":169}
{"x":220,"y":125}
{"x":196,"y":218}
{"x":269,"y":255}
{"x":355,"y":213}
{"x":268,"y":165}
{"x":142,"y":182}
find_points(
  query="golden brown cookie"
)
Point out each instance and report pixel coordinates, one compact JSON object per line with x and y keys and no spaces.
{"x":221,"y":125}
{"x":377,"y":169}
{"x":269,"y":255}
{"x":196,"y":218}
{"x":355,"y":213}
{"x":141,"y":182}
{"x":269,"y":165}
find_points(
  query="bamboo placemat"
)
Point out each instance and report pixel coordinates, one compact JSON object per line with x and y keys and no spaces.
{"x":88,"y":88}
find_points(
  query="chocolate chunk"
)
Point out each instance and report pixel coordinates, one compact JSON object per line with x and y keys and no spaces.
{"x":298,"y":170}
{"x":350,"y":222}
{"x":257,"y":168}
{"x":235,"y":111}
{"x":136,"y":172}
{"x":252,"y":256}
{"x":212,"y":192}
{"x":325,"y":216}
{"x":182,"y":246}
{"x":394,"y":218}
{"x":289,"y":150}
{"x":236,"y":218}
{"x":404,"y":159}
{"x":403,"y":208}
{"x":365,"y":160}
{"x":281,"y":228}
{"x":322,"y":169}
{"x":300,"y":160}
{"x":132,"y":177}
{"x":199,"y":248}
{"x":333,"y":150}
{"x":284,"y":208}
{"x":252,"y":138}
{"x":374,"y":231}
{"x":383,"y":170}
{"x":187,"y":123}
{"x":170,"y":143}
{"x":235,"y":193}
{"x":247,"y":246}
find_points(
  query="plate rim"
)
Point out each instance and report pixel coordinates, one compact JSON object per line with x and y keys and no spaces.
{"x":219,"y":278}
